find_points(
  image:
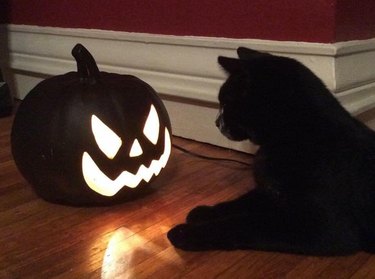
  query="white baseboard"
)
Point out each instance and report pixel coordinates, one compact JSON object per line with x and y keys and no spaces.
{"x":184,"y":69}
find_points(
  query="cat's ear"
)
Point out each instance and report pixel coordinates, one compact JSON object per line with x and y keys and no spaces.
{"x":249,"y":54}
{"x":231,"y":65}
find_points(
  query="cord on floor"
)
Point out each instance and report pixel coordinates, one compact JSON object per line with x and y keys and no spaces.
{"x":211,"y":158}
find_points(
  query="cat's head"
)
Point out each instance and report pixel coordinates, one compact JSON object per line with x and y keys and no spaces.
{"x":264,"y":96}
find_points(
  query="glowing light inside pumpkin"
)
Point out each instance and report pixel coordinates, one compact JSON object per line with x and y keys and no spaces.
{"x":107,"y":140}
{"x":102,"y":184}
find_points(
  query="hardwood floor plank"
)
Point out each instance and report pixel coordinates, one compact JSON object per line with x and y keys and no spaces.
{"x":345,"y":267}
{"x":366,"y":271}
{"x":259,"y":264}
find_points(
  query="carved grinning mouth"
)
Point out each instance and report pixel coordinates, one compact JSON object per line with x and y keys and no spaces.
{"x":102,"y":184}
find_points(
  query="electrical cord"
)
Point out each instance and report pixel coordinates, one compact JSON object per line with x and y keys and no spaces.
{"x":211,"y":158}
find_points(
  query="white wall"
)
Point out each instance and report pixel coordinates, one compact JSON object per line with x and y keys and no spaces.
{"x":184,"y":69}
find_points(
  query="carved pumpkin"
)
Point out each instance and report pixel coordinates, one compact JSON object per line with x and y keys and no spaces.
{"x":90,"y":137}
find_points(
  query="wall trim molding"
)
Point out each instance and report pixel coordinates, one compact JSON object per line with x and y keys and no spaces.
{"x":183,"y":68}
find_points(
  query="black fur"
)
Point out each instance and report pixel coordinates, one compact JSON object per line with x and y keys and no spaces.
{"x":315,"y":168}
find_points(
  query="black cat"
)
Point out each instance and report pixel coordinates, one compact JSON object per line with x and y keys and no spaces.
{"x":314,"y":170}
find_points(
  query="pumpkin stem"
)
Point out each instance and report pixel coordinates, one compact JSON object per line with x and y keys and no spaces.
{"x":86,"y":65}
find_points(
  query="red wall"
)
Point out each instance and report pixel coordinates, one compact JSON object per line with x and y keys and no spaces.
{"x":295,"y":20}
{"x":355,"y":19}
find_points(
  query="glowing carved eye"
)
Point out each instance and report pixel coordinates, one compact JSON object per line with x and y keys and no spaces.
{"x":107,"y":140}
{"x":151,"y":128}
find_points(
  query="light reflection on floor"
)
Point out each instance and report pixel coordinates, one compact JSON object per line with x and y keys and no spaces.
{"x":120,"y":256}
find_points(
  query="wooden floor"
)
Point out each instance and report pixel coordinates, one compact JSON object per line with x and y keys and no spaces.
{"x":43,"y":240}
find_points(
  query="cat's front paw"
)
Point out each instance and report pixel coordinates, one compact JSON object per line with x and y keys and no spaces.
{"x":192,"y":238}
{"x":182,"y":237}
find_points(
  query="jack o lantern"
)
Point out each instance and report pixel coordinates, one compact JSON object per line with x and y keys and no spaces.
{"x":91,"y":137}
